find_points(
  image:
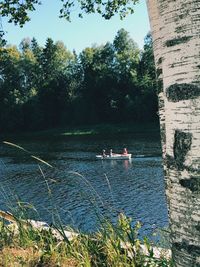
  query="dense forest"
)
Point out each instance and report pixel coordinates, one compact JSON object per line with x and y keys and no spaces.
{"x":49,"y":87}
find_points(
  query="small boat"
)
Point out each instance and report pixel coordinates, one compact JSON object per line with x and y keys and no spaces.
{"x":114,"y":156}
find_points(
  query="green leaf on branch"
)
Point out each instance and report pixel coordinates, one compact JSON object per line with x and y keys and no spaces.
{"x":17,"y":11}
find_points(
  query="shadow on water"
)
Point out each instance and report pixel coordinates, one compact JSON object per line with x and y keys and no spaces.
{"x":82,"y":186}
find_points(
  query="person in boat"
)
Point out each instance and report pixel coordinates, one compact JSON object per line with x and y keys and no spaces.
{"x":111,"y":153}
{"x":103,"y":153}
{"x":125,"y":151}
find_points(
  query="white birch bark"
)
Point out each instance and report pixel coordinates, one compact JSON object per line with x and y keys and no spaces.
{"x":157,"y":48}
{"x":180,"y":20}
{"x":156,"y":31}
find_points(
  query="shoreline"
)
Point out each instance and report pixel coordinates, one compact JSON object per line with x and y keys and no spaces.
{"x":89,"y":130}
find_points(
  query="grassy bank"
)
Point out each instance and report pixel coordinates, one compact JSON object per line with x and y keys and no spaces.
{"x":23,"y":244}
{"x":111,"y":129}
{"x":91,"y":130}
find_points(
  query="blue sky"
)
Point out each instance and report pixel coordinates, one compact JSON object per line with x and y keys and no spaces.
{"x":80,"y":33}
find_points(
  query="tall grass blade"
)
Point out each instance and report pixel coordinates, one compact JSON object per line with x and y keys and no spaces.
{"x":14,"y":145}
{"x":34,"y":157}
{"x":41,"y":160}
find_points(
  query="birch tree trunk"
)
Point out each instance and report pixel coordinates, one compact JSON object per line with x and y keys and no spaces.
{"x":156,"y":30}
{"x":180,"y":31}
{"x":157,"y":48}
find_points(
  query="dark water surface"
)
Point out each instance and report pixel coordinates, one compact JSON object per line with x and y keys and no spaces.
{"x":81,"y":186}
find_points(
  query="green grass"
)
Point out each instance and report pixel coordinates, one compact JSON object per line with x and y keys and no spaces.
{"x":112,"y":246}
{"x":111,"y":129}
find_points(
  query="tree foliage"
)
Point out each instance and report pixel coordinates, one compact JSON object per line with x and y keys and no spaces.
{"x":17,"y":11}
{"x":46,"y":87}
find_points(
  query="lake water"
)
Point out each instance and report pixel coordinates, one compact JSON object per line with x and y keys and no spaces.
{"x":80,"y":188}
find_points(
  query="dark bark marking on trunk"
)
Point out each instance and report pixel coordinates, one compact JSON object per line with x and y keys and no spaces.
{"x":158,"y":71}
{"x":160,"y":60}
{"x":182,"y":144}
{"x":191,"y":169}
{"x":163,"y":132}
{"x":184,"y":91}
{"x":198,"y":227}
{"x":183,"y":16}
{"x":193,"y":184}
{"x":169,"y":162}
{"x":191,"y":249}
{"x":179,"y":29}
{"x":177,"y":41}
{"x":159,"y":86}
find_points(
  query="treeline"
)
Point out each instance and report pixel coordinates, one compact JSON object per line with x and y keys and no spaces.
{"x":49,"y":87}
